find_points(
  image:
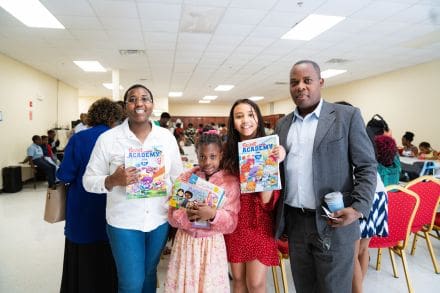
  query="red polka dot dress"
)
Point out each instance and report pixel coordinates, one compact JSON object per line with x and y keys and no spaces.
{"x":253,"y":239}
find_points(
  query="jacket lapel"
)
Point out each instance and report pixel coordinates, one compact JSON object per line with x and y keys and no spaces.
{"x":326,"y":120}
{"x":284,"y":129}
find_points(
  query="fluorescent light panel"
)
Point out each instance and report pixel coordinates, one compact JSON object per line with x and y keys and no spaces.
{"x":175,"y":94}
{"x":256,"y":98}
{"x":32,"y":13}
{"x":312,"y":26}
{"x":332,"y":72}
{"x":204,"y":101}
{"x":90,"y":66}
{"x":224,"y":87}
{"x":109,"y":85}
{"x":211,"y":98}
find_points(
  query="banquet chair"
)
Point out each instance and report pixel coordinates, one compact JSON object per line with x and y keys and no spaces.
{"x":402,"y":207}
{"x":283,"y":253}
{"x":428,"y":189}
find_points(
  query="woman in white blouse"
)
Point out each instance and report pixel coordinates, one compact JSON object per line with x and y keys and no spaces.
{"x":135,"y":164}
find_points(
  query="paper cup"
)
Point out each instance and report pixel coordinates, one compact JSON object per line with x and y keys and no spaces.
{"x":334,"y":201}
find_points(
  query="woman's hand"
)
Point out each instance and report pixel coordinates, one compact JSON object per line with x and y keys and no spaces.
{"x":122,"y":177}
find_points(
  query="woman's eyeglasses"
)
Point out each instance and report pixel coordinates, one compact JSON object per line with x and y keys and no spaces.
{"x":144,"y":100}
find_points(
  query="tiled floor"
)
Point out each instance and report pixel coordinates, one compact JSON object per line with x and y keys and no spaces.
{"x":31,"y":253}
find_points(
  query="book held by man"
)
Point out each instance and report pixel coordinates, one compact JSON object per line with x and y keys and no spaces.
{"x":151,"y":171}
{"x":259,"y":168}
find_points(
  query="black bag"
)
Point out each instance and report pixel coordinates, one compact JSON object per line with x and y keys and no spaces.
{"x":12,"y":179}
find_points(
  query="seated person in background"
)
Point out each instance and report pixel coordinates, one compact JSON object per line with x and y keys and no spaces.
{"x":35,"y":157}
{"x":47,"y":151}
{"x":426,"y":152}
{"x":409,"y":150}
{"x":54,"y":143}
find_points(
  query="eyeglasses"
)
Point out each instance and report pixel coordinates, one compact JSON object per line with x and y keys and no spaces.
{"x":143,"y":99}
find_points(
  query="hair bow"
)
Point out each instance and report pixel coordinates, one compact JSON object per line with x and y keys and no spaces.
{"x":211,"y":131}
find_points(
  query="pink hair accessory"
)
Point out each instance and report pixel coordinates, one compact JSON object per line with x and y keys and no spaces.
{"x":211,"y":131}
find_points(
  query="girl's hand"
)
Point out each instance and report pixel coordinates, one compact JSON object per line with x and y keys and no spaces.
{"x":205,"y":212}
{"x":192,"y":214}
{"x":279,"y":153}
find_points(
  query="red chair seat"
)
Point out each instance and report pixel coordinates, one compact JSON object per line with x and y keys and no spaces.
{"x":437,"y":219}
{"x":283,"y":246}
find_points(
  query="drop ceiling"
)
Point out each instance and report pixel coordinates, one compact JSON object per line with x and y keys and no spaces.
{"x":194,"y":45}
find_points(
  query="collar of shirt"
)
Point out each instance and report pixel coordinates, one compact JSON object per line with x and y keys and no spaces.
{"x":126,"y":131}
{"x":316,"y":112}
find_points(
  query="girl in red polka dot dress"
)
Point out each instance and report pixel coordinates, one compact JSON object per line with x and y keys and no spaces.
{"x":252,"y":247}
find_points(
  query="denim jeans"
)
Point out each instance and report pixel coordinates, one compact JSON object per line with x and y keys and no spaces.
{"x":137,"y":255}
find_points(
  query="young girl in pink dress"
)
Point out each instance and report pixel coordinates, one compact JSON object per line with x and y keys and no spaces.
{"x":198,"y":261}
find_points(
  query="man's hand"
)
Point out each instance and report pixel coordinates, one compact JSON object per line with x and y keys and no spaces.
{"x":344,"y":217}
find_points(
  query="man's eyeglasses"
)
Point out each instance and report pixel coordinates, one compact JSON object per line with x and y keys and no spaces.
{"x":144,"y":100}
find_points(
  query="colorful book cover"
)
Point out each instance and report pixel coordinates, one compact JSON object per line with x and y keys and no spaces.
{"x":187,"y":195}
{"x":259,"y":170}
{"x":151,"y":172}
{"x":216,"y":193}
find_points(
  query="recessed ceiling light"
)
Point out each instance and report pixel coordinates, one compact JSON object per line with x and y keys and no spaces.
{"x":256,"y":98}
{"x":90,"y":66}
{"x":312,"y":26}
{"x":332,"y":72}
{"x":32,"y":13}
{"x":209,"y":98}
{"x":109,"y":85}
{"x":224,"y":87}
{"x":175,"y":94}
{"x":204,"y":101}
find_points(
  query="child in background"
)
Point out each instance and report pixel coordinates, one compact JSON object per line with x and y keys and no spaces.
{"x":198,"y":261}
{"x":426,"y":152}
{"x":252,"y":247}
{"x":47,"y":151}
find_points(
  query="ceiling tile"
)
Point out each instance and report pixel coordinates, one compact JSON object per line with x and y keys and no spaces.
{"x":106,"y":8}
{"x":243,"y":16}
{"x":159,"y":11}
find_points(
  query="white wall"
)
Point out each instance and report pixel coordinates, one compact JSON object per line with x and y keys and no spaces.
{"x":408,"y":99}
{"x":53,"y":104}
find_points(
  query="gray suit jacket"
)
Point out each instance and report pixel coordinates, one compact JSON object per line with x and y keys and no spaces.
{"x":343,"y":160}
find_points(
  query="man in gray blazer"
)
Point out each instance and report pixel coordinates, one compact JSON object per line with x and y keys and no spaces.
{"x":327,"y":150}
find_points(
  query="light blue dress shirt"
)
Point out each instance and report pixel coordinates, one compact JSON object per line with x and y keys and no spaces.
{"x":300,"y":192}
{"x":35,"y":151}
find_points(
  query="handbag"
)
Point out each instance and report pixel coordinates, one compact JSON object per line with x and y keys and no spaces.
{"x":55,"y":209}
